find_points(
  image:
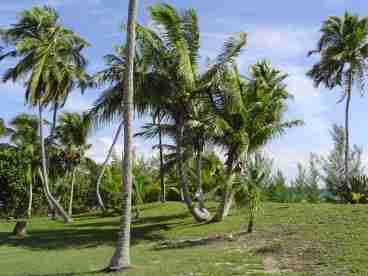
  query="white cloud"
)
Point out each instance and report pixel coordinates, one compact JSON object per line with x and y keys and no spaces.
{"x":78,"y":103}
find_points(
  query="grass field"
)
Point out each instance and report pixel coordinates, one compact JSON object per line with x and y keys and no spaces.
{"x":290,"y":239}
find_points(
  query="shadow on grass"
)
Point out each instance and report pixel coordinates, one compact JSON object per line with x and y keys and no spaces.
{"x":89,"y":235}
{"x":68,"y":273}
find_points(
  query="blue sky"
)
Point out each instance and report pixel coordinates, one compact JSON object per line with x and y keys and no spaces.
{"x":280,"y":31}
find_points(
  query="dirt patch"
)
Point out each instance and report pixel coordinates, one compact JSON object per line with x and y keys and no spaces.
{"x":283,"y":250}
{"x":271,"y":265}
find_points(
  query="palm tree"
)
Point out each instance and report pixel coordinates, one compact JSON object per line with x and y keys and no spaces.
{"x":24,"y":136}
{"x":167,"y":77}
{"x":343,"y":52}
{"x":72,"y":133}
{"x":121,"y":257}
{"x":49,"y":56}
{"x":248,"y":117}
{"x":174,"y":81}
{"x":104,"y":166}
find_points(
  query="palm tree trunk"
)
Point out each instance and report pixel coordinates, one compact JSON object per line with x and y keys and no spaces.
{"x":199,"y":180}
{"x":227,"y":199}
{"x":54,"y":118}
{"x":251,"y":222}
{"x":30,"y":199}
{"x":162,"y":177}
{"x":70,"y":210}
{"x":121,"y":258}
{"x":227,"y":194}
{"x":197,"y":214}
{"x":55,"y":204}
{"x":104,"y":166}
{"x":347,"y":148}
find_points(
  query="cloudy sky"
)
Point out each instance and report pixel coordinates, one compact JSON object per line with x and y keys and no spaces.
{"x":280,"y":31}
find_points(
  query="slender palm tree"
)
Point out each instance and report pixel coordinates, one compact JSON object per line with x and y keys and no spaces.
{"x":48,"y":57}
{"x":24,"y":136}
{"x":121,"y":257}
{"x":343,"y":51}
{"x":72,"y":134}
{"x":249,"y":116}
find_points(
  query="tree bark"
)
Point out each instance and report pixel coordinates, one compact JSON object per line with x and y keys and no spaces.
{"x":347,"y":147}
{"x":199,"y":180}
{"x":30,"y":199}
{"x":162,"y":177}
{"x":121,"y":258}
{"x":55,"y":204}
{"x":197,"y":214}
{"x":251,"y":223}
{"x":70,"y":210}
{"x":20,"y":229}
{"x":54,"y":119}
{"x":104,"y":166}
{"x":226,"y":200}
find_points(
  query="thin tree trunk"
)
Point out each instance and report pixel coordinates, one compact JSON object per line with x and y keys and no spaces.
{"x":54,"y":119}
{"x":30,"y":199}
{"x":251,"y":223}
{"x":70,"y":210}
{"x":121,"y":258}
{"x":347,"y":148}
{"x":199,"y":180}
{"x":227,"y":199}
{"x":197,"y":214}
{"x":162,"y":177}
{"x":104,"y":166}
{"x":55,"y":204}
{"x":227,"y":194}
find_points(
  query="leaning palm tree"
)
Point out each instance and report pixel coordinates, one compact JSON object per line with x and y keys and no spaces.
{"x":175,"y":81}
{"x":121,"y":257}
{"x":49,"y":59}
{"x":72,"y":133}
{"x":249,"y":113}
{"x":168,"y":79}
{"x":343,"y":52}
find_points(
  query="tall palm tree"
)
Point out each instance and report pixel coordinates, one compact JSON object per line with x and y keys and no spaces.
{"x":175,"y":81}
{"x":49,"y":57}
{"x":72,"y":134}
{"x":343,"y":51}
{"x":250,"y":114}
{"x":121,"y":257}
{"x":167,"y":76}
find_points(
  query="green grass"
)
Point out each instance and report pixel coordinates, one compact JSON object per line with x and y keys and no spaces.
{"x":293,"y":239}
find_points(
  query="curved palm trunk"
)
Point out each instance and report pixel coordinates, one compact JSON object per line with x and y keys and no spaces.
{"x":199,"y":180}
{"x":30,"y":199}
{"x":55,"y":204}
{"x":227,"y":195}
{"x":197,"y":214}
{"x":162,"y":176}
{"x":121,"y":257}
{"x":347,"y":107}
{"x":70,"y":210}
{"x":104,"y":166}
{"x":227,"y":200}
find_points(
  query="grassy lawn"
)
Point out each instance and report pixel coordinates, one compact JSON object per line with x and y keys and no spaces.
{"x":290,"y":239}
